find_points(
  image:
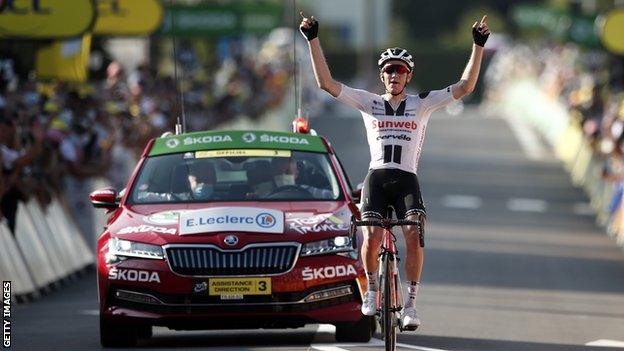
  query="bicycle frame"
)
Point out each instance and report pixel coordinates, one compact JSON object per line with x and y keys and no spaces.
{"x":390,"y":252}
{"x":388,"y":269}
{"x":389,"y":272}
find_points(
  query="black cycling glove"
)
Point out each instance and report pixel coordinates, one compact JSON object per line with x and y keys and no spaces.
{"x":478,"y":37}
{"x":310,"y":32}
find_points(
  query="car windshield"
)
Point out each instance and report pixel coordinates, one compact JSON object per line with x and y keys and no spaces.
{"x":235,"y":175}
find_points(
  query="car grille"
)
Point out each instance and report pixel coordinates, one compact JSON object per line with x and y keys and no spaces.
{"x":255,"y":259}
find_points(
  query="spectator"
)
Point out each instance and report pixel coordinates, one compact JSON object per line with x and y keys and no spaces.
{"x":14,"y":160}
{"x":99,"y":130}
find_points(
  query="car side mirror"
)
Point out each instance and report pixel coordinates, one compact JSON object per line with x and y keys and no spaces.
{"x":104,"y":198}
{"x":357,"y":192}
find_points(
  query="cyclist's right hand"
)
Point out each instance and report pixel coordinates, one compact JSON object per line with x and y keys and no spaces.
{"x":308,"y":27}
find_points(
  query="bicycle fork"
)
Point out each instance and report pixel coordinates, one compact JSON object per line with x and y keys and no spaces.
{"x":392,"y":273}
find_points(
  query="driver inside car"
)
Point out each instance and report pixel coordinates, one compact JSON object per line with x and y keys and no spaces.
{"x":202,"y":178}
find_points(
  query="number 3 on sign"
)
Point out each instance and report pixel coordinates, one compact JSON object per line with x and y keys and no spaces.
{"x":392,"y":153}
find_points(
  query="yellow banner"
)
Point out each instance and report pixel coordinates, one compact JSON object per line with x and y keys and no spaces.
{"x":239,"y":286}
{"x":46,"y":19}
{"x":128,"y":17}
{"x":65,"y":60}
{"x":243,"y":152}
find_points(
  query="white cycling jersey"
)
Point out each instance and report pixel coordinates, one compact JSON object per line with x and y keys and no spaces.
{"x":395,"y":136}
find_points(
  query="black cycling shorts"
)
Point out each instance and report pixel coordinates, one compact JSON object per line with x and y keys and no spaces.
{"x":391,"y":187}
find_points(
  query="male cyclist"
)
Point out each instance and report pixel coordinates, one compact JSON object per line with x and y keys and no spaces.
{"x":395,"y":125}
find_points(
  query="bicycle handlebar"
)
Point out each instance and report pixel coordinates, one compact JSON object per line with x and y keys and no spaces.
{"x":385,"y":223}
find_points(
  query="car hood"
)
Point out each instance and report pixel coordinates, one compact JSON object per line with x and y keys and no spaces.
{"x":302,"y":222}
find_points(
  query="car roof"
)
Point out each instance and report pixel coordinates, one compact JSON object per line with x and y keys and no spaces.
{"x":237,"y":139}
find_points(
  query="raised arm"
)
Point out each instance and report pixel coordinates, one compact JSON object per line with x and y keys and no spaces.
{"x":309,"y":29}
{"x":468,"y":81}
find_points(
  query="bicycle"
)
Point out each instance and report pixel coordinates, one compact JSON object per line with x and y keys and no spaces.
{"x":391,"y":298}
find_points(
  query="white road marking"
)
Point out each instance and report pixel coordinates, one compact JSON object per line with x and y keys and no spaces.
{"x":530,"y":143}
{"x":462,"y":201}
{"x":527,"y":205}
{"x":471,"y":202}
{"x":340,"y":346}
{"x":413,"y":347}
{"x":90,"y":312}
{"x":583,"y":209}
{"x":326,"y":328}
{"x":329,"y":328}
{"x":606,"y":343}
{"x":327,"y":348}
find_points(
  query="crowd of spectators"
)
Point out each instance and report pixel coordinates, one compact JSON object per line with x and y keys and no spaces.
{"x":589,"y":83}
{"x":54,"y":137}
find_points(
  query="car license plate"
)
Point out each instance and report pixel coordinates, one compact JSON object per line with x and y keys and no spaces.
{"x":239,"y":286}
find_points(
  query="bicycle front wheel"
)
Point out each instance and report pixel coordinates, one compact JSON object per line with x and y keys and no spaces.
{"x":389,"y":297}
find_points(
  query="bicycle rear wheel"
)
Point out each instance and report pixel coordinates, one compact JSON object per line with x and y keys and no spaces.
{"x":388,"y":316}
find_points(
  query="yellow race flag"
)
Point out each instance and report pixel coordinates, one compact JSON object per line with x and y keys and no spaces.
{"x":65,"y":60}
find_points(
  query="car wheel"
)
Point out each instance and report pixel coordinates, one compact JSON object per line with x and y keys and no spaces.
{"x":144,"y":332}
{"x":360,"y":331}
{"x":117,"y":335}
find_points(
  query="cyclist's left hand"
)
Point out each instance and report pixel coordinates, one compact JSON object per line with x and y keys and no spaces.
{"x":480,"y":31}
{"x":308,"y":26}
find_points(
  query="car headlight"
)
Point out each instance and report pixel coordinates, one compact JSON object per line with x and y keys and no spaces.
{"x":328,"y":246}
{"x":126,"y":248}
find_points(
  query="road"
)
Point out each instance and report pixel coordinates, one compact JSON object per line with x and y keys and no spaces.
{"x":514,"y":260}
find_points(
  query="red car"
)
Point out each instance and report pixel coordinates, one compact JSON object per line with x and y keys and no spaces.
{"x":231,"y":229}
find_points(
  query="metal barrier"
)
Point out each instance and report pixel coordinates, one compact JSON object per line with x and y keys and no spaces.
{"x":48,"y":238}
{"x":12,"y":265}
{"x":35,"y":252}
{"x":47,"y":248}
{"x":83,"y":255}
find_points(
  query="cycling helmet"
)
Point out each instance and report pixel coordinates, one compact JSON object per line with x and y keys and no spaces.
{"x":396,"y":54}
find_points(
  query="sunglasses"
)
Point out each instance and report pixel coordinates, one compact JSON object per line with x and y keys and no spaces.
{"x":399,"y":69}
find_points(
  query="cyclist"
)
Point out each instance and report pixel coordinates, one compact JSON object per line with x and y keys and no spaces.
{"x":395,"y":125}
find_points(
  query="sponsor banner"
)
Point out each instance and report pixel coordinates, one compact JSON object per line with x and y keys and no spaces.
{"x":328,"y":272}
{"x":203,"y":141}
{"x":46,"y":19}
{"x":557,"y":23}
{"x":243,"y":153}
{"x":128,"y":17}
{"x":219,"y":219}
{"x":215,"y":20}
{"x":146,"y":229}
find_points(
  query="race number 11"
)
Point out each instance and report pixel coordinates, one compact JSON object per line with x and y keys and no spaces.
{"x":392,"y":153}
